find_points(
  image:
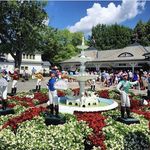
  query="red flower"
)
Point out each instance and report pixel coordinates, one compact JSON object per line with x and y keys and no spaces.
{"x":95,"y":121}
{"x":60,"y":93}
{"x":27,"y":115}
{"x":141,"y":110}
{"x":103,"y":93}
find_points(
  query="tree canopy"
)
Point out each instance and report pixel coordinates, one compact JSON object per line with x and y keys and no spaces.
{"x":67,"y":42}
{"x":116,"y":36}
{"x":110,"y":37}
{"x":21,"y":23}
{"x":142,"y":33}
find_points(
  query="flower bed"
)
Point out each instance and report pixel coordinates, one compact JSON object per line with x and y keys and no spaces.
{"x":26,"y":128}
{"x":35,"y":135}
{"x":32,"y":133}
{"x":27,"y":115}
{"x":122,"y":136}
{"x":95,"y":121}
{"x":22,"y":99}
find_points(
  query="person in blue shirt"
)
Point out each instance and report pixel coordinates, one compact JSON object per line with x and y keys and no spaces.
{"x":53,"y":97}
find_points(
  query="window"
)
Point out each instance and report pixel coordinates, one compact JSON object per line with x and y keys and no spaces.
{"x":26,"y":67}
{"x":22,"y":67}
{"x":33,"y":56}
{"x":23,"y":56}
{"x":126,"y":54}
{"x":27,"y":56}
{"x":30,"y":56}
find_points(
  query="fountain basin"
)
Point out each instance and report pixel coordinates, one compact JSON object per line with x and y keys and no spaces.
{"x":107,"y":104}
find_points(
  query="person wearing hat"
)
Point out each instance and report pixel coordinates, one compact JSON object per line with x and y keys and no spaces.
{"x":123,"y":87}
{"x":15,"y":77}
{"x":53,"y":97}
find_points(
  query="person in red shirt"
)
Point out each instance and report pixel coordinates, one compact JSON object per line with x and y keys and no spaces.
{"x":15,"y":78}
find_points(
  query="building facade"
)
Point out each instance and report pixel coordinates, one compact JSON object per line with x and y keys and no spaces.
{"x":131,"y":57}
{"x":29,"y":61}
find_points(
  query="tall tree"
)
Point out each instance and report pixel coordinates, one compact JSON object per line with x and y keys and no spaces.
{"x":148,"y":31}
{"x":67,"y":45}
{"x":141,"y":33}
{"x":20,"y":26}
{"x":51,"y":44}
{"x":110,"y":37}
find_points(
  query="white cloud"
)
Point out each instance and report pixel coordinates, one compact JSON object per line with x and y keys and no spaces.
{"x":46,"y":21}
{"x":108,"y":15}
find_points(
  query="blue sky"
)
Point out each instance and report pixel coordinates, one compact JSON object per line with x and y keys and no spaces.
{"x":83,"y":15}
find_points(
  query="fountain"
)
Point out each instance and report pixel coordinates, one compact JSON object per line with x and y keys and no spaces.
{"x":82,"y":77}
{"x":87,"y":100}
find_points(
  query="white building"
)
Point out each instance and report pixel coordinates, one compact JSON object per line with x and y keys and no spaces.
{"x":29,"y":61}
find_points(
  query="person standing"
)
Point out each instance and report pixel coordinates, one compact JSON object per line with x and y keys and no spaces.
{"x":4,"y":89}
{"x":39,"y":77}
{"x":148,"y":88}
{"x":53,"y":97}
{"x":15,"y":78}
{"x":93,"y":83}
{"x":123,"y":87}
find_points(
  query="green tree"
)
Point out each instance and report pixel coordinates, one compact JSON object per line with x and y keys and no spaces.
{"x":142,"y":33}
{"x":110,"y":37}
{"x":21,"y":23}
{"x":67,"y":42}
{"x":51,"y":45}
{"x":148,"y":31}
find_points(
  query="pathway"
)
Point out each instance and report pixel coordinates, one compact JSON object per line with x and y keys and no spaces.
{"x":28,"y":85}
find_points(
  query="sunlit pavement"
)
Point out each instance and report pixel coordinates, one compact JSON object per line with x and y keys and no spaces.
{"x":29,"y":85}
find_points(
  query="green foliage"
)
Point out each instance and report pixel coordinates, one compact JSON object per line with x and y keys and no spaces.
{"x":35,"y":134}
{"x":115,"y":36}
{"x":21,"y":23}
{"x":44,"y":90}
{"x":121,"y":136}
{"x":68,"y":45}
{"x":114,"y":95}
{"x":142,"y":33}
{"x":110,"y":37}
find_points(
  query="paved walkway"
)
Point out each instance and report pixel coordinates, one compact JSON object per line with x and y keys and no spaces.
{"x":28,"y":85}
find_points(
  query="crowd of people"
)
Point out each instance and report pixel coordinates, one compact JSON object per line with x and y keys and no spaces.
{"x":104,"y":78}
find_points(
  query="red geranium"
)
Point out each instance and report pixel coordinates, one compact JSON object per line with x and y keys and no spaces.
{"x":103,"y":93}
{"x":27,"y":115}
{"x":141,"y":110}
{"x":95,"y":121}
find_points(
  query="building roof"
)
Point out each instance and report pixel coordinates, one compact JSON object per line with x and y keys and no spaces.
{"x":132,"y":52}
{"x":148,"y":49}
{"x":46,"y":63}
